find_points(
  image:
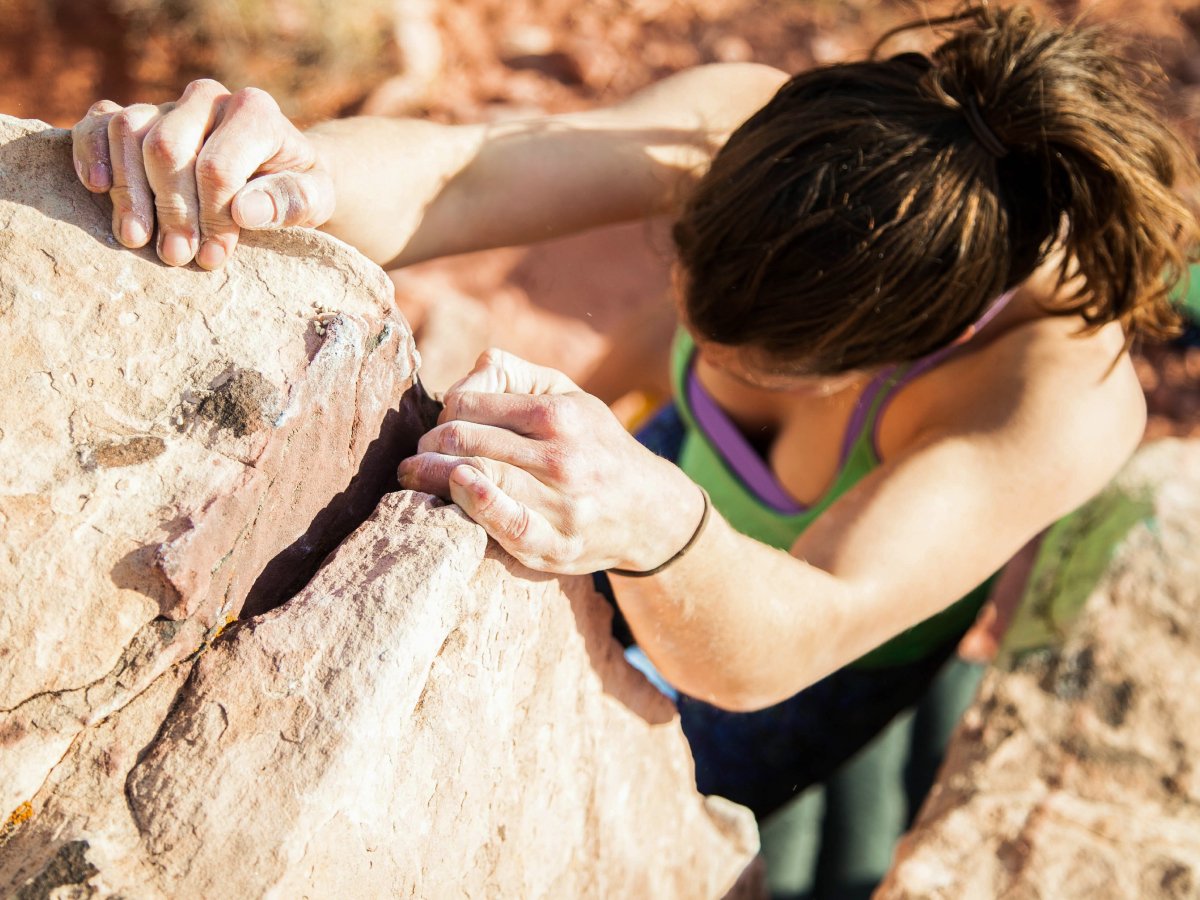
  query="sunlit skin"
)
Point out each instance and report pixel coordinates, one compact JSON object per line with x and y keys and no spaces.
{"x":980,"y":454}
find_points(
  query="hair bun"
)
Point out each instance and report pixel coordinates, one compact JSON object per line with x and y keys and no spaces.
{"x":1094,"y":160}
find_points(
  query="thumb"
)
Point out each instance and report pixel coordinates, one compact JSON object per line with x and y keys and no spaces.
{"x":524,"y":534}
{"x":285,"y":198}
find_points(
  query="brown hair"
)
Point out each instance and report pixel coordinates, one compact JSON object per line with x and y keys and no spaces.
{"x":871,"y":211}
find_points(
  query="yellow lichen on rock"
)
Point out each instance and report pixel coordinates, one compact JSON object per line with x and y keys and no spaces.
{"x":20,"y":815}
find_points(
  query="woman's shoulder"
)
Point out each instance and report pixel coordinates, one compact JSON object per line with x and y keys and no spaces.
{"x":1042,"y":382}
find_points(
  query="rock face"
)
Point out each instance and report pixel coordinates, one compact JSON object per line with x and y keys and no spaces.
{"x":424,"y":718}
{"x":185,"y":708}
{"x":1074,"y":773}
{"x":174,"y":442}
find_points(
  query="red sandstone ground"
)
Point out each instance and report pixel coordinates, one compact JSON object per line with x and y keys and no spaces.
{"x":478,"y":59}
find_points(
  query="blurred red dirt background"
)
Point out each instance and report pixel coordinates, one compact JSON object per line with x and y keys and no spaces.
{"x":575,"y":303}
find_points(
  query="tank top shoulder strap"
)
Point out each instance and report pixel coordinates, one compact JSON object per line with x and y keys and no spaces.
{"x":862,"y":435}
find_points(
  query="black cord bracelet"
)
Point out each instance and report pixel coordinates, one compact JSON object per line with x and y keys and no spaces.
{"x":629,"y":573}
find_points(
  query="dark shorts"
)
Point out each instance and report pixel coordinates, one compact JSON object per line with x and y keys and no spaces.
{"x":762,"y":759}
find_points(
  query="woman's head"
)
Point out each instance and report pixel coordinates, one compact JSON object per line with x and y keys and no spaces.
{"x":871,"y":211}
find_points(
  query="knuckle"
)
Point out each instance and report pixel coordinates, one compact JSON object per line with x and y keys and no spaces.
{"x":132,"y":120}
{"x":516,"y":527}
{"x":123,"y":122}
{"x":559,"y":413}
{"x":254,"y":99}
{"x":257,"y":95}
{"x":207,"y":87}
{"x":214,"y":171}
{"x":417,"y":467}
{"x":103,"y":108}
{"x":304,"y":194}
{"x":546,"y":414}
{"x":451,"y":439}
{"x":493,"y":357}
{"x":123,"y":199}
{"x":172,"y":209}
{"x":217,"y":225}
{"x":162,"y":146}
{"x":294,"y":197}
{"x":561,"y":467}
{"x":171,"y":203}
{"x":451,"y":406}
{"x":95,"y":141}
{"x":460,"y":405}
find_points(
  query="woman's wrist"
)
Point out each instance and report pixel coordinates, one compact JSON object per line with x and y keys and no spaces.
{"x":680,"y":553}
{"x":670,"y":521}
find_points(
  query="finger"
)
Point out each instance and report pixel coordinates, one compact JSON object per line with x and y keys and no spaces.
{"x":288,"y":198}
{"x":540,"y":415}
{"x":463,"y":439}
{"x":501,"y":372}
{"x":430,"y":472}
{"x":520,"y":531}
{"x":254,"y":138}
{"x":89,"y":146}
{"x":171,"y":149}
{"x":131,"y":193}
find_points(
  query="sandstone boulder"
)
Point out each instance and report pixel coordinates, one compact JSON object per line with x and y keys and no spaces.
{"x":1074,"y":773}
{"x":425,"y":718}
{"x":172,"y":443}
{"x":191,"y":704}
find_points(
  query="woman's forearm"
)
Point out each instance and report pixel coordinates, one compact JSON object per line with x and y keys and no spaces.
{"x":740,"y":624}
{"x":411,"y":190}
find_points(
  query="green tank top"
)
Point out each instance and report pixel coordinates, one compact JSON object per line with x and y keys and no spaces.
{"x":717,"y":456}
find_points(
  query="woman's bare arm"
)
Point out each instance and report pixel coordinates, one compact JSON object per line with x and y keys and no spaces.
{"x":402,"y":190}
{"x":450,"y":189}
{"x":744,"y":625}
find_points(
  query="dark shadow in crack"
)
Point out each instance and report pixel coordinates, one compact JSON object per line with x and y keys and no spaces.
{"x":294,"y":566}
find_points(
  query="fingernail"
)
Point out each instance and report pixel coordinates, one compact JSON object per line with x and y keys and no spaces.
{"x":79,"y":171}
{"x":133,"y":232}
{"x":211,"y":255}
{"x":100,"y":177}
{"x":257,"y":209}
{"x":175,"y":249}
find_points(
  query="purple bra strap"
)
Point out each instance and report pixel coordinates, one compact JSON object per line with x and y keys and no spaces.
{"x":754,"y":471}
{"x":746,"y":463}
{"x":925,"y":363}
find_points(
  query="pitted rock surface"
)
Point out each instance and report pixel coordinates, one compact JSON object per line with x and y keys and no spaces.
{"x":1074,"y":773}
{"x":165,"y":436}
{"x":425,"y":718}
